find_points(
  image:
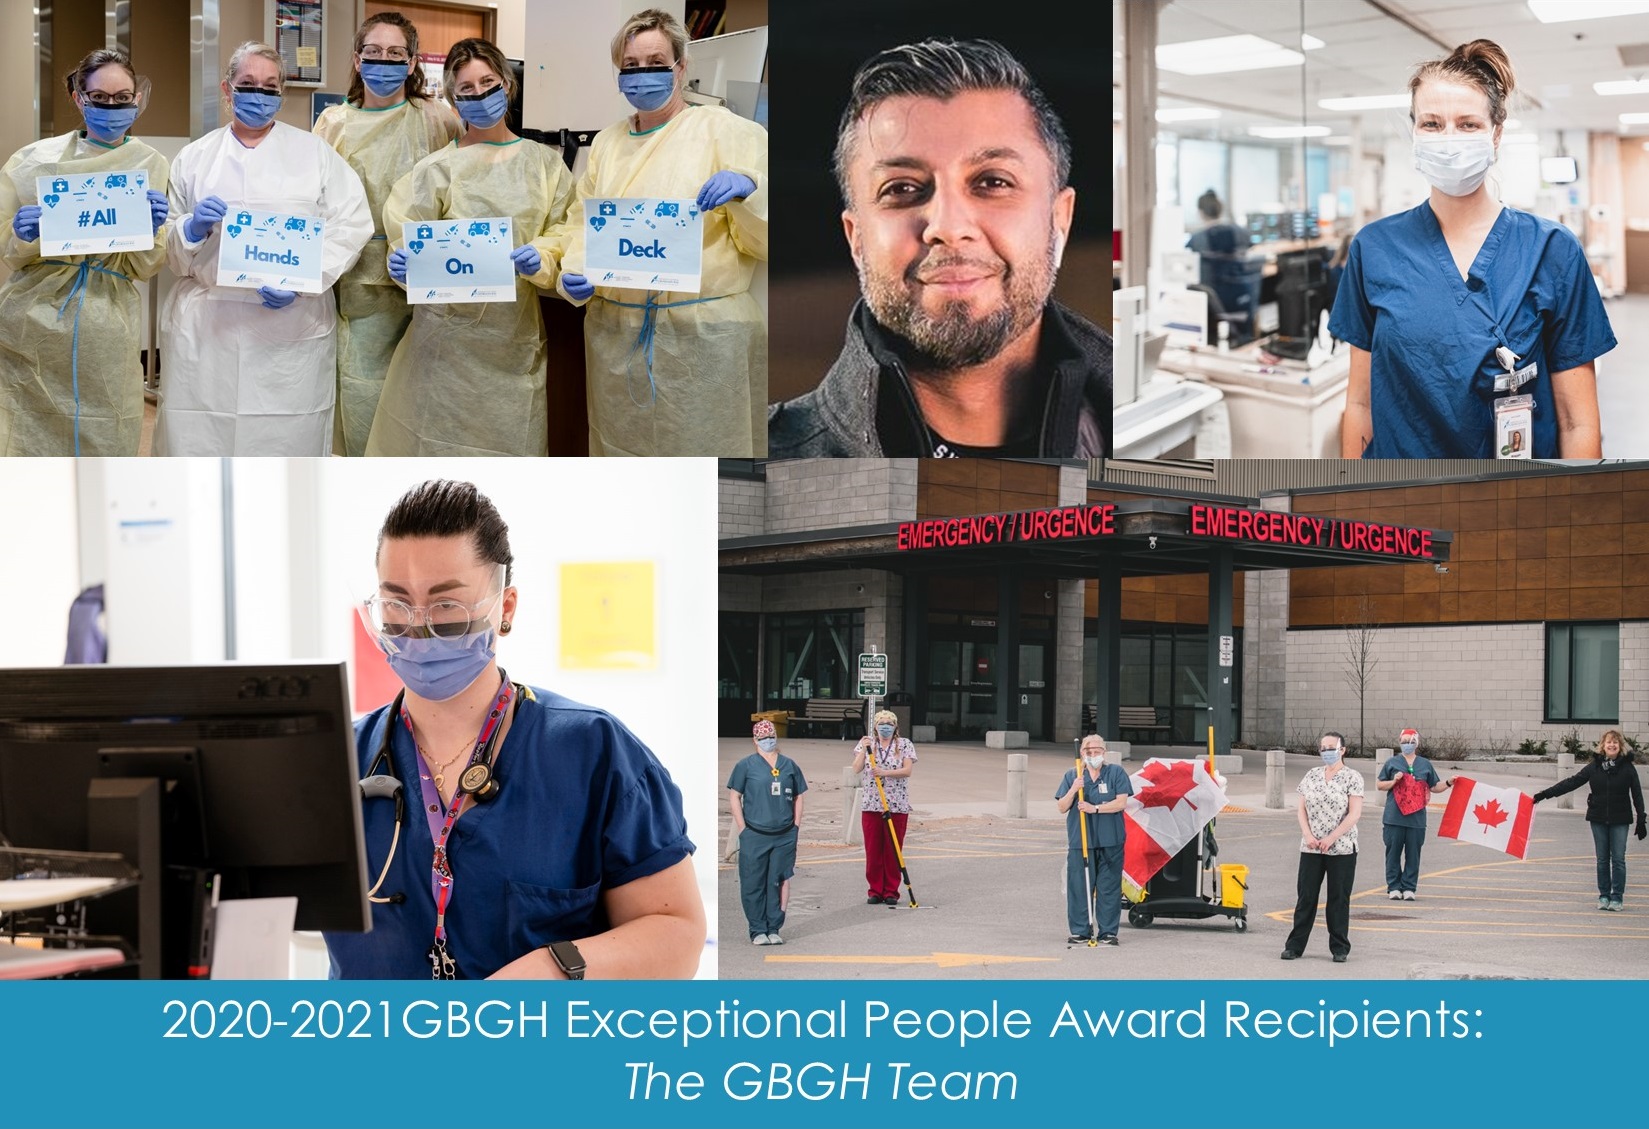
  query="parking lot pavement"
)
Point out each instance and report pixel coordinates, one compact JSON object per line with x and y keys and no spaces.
{"x":990,"y":890}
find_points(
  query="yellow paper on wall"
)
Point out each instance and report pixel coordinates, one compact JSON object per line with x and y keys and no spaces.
{"x":607,"y":620}
{"x":309,"y":57}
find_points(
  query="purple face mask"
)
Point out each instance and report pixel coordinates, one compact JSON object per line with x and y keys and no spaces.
{"x":437,"y":668}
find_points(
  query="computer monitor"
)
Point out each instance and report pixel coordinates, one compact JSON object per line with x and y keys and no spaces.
{"x":240,"y":775}
{"x":712,"y":61}
{"x":1302,"y":296}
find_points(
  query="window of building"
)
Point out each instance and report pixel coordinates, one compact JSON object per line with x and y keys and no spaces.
{"x":1583,"y":672}
{"x":812,"y":655}
{"x":1164,"y":666}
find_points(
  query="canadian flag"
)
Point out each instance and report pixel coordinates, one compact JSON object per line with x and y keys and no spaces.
{"x":1173,"y":801}
{"x":1497,"y":818}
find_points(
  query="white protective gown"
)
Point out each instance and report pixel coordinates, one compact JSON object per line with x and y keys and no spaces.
{"x":237,"y":378}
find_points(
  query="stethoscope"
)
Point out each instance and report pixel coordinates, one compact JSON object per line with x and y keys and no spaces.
{"x":477,"y":782}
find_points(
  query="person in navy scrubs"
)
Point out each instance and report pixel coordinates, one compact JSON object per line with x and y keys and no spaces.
{"x":1460,"y":301}
{"x":577,"y":864}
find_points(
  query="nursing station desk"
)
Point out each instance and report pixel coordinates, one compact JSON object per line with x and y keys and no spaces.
{"x":1278,"y":410}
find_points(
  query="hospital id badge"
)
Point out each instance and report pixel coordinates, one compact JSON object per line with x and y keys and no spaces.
{"x":1104,"y":788}
{"x":773,"y":789}
{"x":1514,"y":427}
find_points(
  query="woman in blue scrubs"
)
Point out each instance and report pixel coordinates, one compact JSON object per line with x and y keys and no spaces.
{"x":565,"y":854}
{"x":1461,"y":302}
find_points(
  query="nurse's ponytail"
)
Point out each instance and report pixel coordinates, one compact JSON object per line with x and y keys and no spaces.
{"x":1481,"y":63}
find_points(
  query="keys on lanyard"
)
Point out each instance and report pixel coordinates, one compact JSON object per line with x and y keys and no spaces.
{"x":442,"y":966}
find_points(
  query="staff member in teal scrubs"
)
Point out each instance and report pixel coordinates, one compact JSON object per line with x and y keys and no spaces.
{"x":765,"y":793}
{"x":1461,"y":302}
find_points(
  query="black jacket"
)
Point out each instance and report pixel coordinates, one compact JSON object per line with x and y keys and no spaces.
{"x":1616,"y":792}
{"x":864,"y":407}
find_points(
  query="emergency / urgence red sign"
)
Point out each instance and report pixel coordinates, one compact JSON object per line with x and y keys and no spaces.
{"x":1063,"y":523}
{"x":1234,"y":523}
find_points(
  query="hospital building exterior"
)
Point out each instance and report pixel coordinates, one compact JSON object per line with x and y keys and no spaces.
{"x":1491,"y":603}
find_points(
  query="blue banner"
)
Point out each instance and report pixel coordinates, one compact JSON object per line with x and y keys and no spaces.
{"x":811,"y":1053}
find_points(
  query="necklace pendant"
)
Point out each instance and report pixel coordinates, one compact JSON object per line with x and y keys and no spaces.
{"x":440,"y":780}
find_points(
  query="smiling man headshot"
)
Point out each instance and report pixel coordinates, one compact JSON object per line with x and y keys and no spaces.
{"x":954,"y":169}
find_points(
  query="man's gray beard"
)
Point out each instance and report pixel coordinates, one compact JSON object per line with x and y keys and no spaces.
{"x":954,"y":339}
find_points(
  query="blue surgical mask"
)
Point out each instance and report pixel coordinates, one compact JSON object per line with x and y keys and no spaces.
{"x":483,"y":111}
{"x":108,"y":124}
{"x":384,"y":79}
{"x":1329,"y":755}
{"x":1409,"y":748}
{"x":767,"y":744}
{"x":884,"y":731}
{"x":256,"y":109}
{"x":647,"y":88}
{"x":438,"y":668}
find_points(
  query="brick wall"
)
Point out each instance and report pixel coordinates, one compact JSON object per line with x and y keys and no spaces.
{"x":1484,"y":683}
{"x":828,"y":493}
{"x":743,"y":507}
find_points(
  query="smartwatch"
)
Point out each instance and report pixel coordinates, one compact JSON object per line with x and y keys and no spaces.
{"x":567,"y":957}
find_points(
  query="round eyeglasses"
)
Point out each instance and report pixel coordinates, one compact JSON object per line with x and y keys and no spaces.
{"x":446,"y":619}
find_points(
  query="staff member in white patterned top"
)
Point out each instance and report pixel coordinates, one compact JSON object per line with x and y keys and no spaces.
{"x":1331,"y":799}
{"x":891,"y":758}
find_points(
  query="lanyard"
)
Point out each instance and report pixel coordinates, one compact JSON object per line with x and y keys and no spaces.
{"x":441,"y":964}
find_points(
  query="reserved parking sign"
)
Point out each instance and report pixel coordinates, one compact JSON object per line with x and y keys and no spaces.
{"x":643,"y":244}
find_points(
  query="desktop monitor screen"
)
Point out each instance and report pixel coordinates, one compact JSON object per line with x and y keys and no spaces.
{"x":256,"y":766}
{"x":1302,"y":295}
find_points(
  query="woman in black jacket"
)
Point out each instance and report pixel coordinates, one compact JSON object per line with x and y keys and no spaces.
{"x":1616,"y":794}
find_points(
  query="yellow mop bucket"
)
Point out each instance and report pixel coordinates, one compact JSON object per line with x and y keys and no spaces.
{"x":1233,"y":884}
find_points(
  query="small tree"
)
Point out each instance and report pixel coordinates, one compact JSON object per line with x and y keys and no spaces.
{"x":1361,"y":661}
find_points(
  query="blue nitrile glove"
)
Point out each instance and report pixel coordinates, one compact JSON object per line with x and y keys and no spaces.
{"x":398,"y":266}
{"x":208,"y":214}
{"x":577,"y":286}
{"x":722,"y":187}
{"x":528,"y":262}
{"x":26,"y":223}
{"x":159,"y":208}
{"x":276,"y":299}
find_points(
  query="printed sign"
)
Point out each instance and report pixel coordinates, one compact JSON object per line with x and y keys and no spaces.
{"x":462,"y":260}
{"x":270,"y":249}
{"x":88,"y":213}
{"x":643,"y":244}
{"x":872,"y":676}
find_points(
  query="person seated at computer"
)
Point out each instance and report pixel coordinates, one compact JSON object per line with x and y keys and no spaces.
{"x":1217,"y":238}
{"x":1460,"y":302}
{"x":1225,"y":267}
{"x":541,"y":839}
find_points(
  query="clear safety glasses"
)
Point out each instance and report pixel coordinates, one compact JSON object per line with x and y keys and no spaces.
{"x":444,"y":619}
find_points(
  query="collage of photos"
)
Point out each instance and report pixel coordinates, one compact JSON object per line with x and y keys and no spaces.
{"x":1278,"y":613}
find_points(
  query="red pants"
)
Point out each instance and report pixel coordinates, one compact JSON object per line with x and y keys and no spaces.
{"x":881,"y":863}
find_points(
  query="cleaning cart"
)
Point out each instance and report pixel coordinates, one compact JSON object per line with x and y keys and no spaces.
{"x":1194,"y":885}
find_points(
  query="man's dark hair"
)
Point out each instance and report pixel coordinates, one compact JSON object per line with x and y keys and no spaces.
{"x":442,"y":508}
{"x":942,"y":69}
{"x":1209,"y":205}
